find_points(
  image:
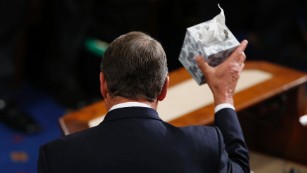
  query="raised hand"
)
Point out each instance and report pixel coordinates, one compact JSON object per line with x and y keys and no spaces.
{"x":222,"y":79}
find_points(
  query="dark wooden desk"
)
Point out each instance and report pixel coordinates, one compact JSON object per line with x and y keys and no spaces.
{"x":285,"y":138}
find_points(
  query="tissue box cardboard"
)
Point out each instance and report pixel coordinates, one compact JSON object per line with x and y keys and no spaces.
{"x":212,"y":40}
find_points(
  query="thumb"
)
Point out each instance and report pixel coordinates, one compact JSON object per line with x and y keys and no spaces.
{"x":202,"y":64}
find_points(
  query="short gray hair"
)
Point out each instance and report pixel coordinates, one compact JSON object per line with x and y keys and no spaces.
{"x":135,"y":67}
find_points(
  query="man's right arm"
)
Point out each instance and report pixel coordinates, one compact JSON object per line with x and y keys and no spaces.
{"x":234,"y":152}
{"x":222,"y":81}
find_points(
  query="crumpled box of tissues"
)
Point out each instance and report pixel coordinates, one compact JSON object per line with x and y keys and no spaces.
{"x":211,"y":39}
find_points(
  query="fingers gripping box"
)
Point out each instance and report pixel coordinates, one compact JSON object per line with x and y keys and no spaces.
{"x":211,"y":39}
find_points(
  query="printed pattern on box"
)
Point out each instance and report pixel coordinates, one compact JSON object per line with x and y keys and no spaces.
{"x":211,"y":39}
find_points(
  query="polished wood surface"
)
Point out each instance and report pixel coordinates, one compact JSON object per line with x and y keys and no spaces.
{"x":283,"y":79}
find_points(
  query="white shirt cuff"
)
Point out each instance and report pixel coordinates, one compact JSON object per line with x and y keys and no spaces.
{"x":223,"y":106}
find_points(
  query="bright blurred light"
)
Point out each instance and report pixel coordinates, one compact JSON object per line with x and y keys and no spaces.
{"x":303,"y":120}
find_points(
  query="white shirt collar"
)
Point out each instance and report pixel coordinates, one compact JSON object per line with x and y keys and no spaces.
{"x":129,"y":104}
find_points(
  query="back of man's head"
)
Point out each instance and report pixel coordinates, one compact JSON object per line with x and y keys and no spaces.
{"x":135,"y":67}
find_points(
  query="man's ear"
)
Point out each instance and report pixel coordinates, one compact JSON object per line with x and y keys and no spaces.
{"x":103,"y":86}
{"x":163,"y":92}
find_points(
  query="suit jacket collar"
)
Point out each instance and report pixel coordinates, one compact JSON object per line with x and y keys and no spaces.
{"x":131,"y":112}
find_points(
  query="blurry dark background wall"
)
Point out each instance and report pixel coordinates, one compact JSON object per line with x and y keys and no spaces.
{"x":50,"y":52}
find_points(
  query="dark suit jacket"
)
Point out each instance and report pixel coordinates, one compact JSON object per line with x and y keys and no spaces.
{"x":135,"y":140}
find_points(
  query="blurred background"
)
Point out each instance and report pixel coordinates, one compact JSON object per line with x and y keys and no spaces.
{"x":50,"y":53}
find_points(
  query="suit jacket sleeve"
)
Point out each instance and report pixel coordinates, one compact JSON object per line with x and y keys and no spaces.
{"x":42,"y":166}
{"x":234,"y":153}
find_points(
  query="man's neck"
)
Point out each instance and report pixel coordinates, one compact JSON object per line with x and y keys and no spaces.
{"x":110,"y":102}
